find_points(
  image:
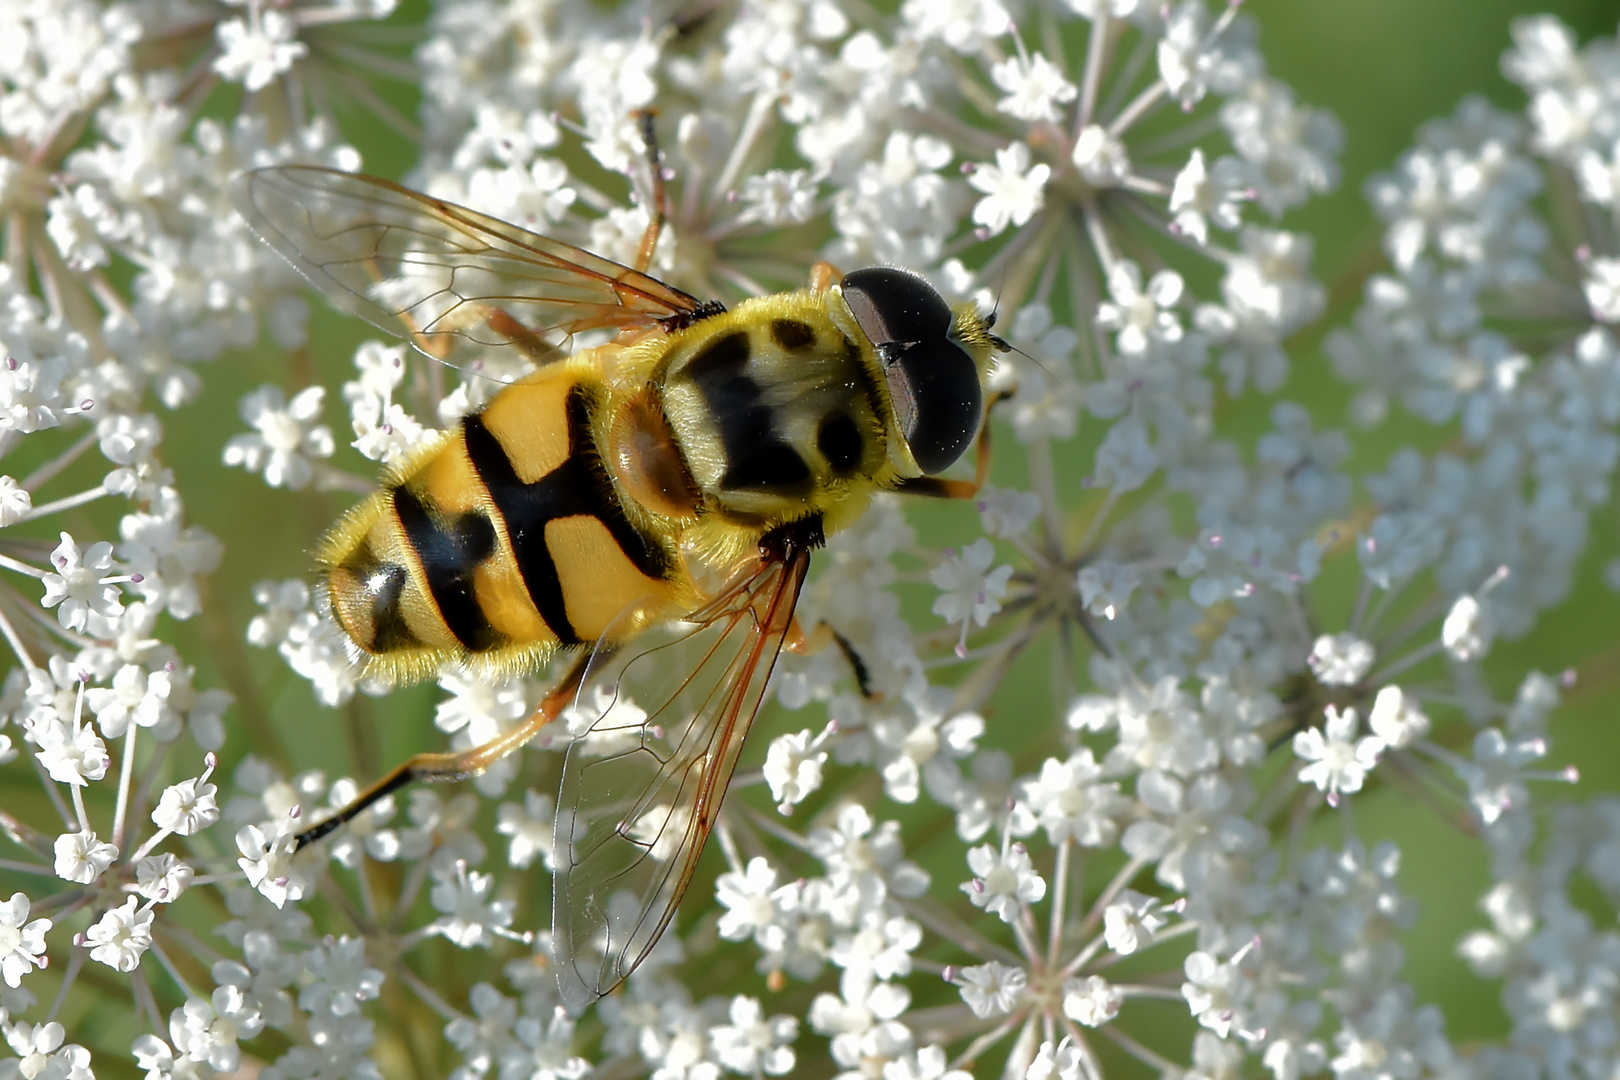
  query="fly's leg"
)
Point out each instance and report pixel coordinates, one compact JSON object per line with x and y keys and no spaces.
{"x":818,"y":638}
{"x":655,"y":208}
{"x":939,"y":487}
{"x":433,"y":768}
{"x":823,"y":276}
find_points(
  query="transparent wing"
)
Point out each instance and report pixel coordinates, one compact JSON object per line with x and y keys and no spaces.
{"x":452,"y":281}
{"x":640,"y":792}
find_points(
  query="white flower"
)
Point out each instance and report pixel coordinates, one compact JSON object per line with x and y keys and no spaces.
{"x":778,"y":198}
{"x":15,"y":502}
{"x":22,"y":943}
{"x":81,"y":857}
{"x":752,"y":1044}
{"x":259,"y":49}
{"x":1141,"y":317}
{"x":1003,"y":881}
{"x":1338,"y":760}
{"x":1106,"y":587}
{"x":43,"y":1057}
{"x":72,"y":754}
{"x":1602,"y":288}
{"x":1092,"y":1001}
{"x":121,"y":937}
{"x":1396,"y":718}
{"x":1131,"y":921}
{"x":793,"y":768}
{"x":1341,"y":659}
{"x":283,"y":602}
{"x":1062,"y":1061}
{"x":1101,"y":157}
{"x":469,"y":917}
{"x":206,"y":1031}
{"x":339,"y":978}
{"x":1034,"y":86}
{"x":529,"y":824}
{"x":1007,"y":512}
{"x":972,"y":592}
{"x":752,"y":901}
{"x":288,"y":436}
{"x":1467,"y":631}
{"x":267,"y":860}
{"x":187,"y":807}
{"x":78,"y":582}
{"x":1013,"y":189}
{"x":162,"y":877}
{"x":1070,"y":804}
{"x":991,"y":988}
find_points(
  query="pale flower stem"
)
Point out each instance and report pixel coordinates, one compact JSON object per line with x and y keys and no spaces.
{"x":20,"y":867}
{"x":21,"y":567}
{"x":126,"y":773}
{"x":408,"y":894}
{"x":1088,"y":1060}
{"x":1387,"y":675}
{"x":1143,"y":185}
{"x":67,"y":503}
{"x":1084,"y":956}
{"x":1091,"y":78}
{"x":728,"y":845}
{"x":368,"y":898}
{"x":145,"y":1000}
{"x":1106,"y":257}
{"x":1024,"y":930}
{"x":1302,"y":621}
{"x":1416,"y":623}
{"x":1141,"y":1053}
{"x":428,"y":997}
{"x":759,"y":114}
{"x":1143,"y":990}
{"x":948,"y":926}
{"x":1041,"y":478}
{"x":52,"y":793}
{"x":989,"y":1039}
{"x":156,"y":949}
{"x":78,"y":807}
{"x":1363,"y":598}
{"x":1060,"y":887}
{"x":10,"y":634}
{"x":1133,"y":112}
{"x":48,"y":471}
{"x":766,"y":824}
{"x":151,"y":842}
{"x":70,"y":975}
{"x":1097,"y":520}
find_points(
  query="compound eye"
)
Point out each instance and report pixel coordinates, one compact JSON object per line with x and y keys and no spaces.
{"x":932,"y":380}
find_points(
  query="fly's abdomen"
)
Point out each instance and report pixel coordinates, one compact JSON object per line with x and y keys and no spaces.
{"x":506,"y":541}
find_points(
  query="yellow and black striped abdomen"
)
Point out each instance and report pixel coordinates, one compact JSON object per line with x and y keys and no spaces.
{"x":502,"y":542}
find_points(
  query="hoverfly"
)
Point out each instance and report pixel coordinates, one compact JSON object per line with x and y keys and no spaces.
{"x":675,"y":478}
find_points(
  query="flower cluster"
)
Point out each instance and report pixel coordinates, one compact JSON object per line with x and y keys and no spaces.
{"x":934,"y":862}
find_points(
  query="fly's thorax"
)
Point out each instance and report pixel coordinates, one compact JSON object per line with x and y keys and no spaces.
{"x":776,"y":411}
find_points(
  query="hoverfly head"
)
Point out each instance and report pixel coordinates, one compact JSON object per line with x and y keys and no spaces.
{"x":935,"y":360}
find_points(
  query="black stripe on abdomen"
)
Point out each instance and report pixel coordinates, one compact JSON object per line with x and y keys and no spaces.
{"x":450,"y":554}
{"x":580,"y":486}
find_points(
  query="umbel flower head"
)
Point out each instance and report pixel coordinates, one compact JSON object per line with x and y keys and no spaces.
{"x":1088,"y":775}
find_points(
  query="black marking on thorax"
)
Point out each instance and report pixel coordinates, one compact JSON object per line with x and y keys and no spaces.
{"x":580,"y":486}
{"x":757,"y":458}
{"x":450,"y":551}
